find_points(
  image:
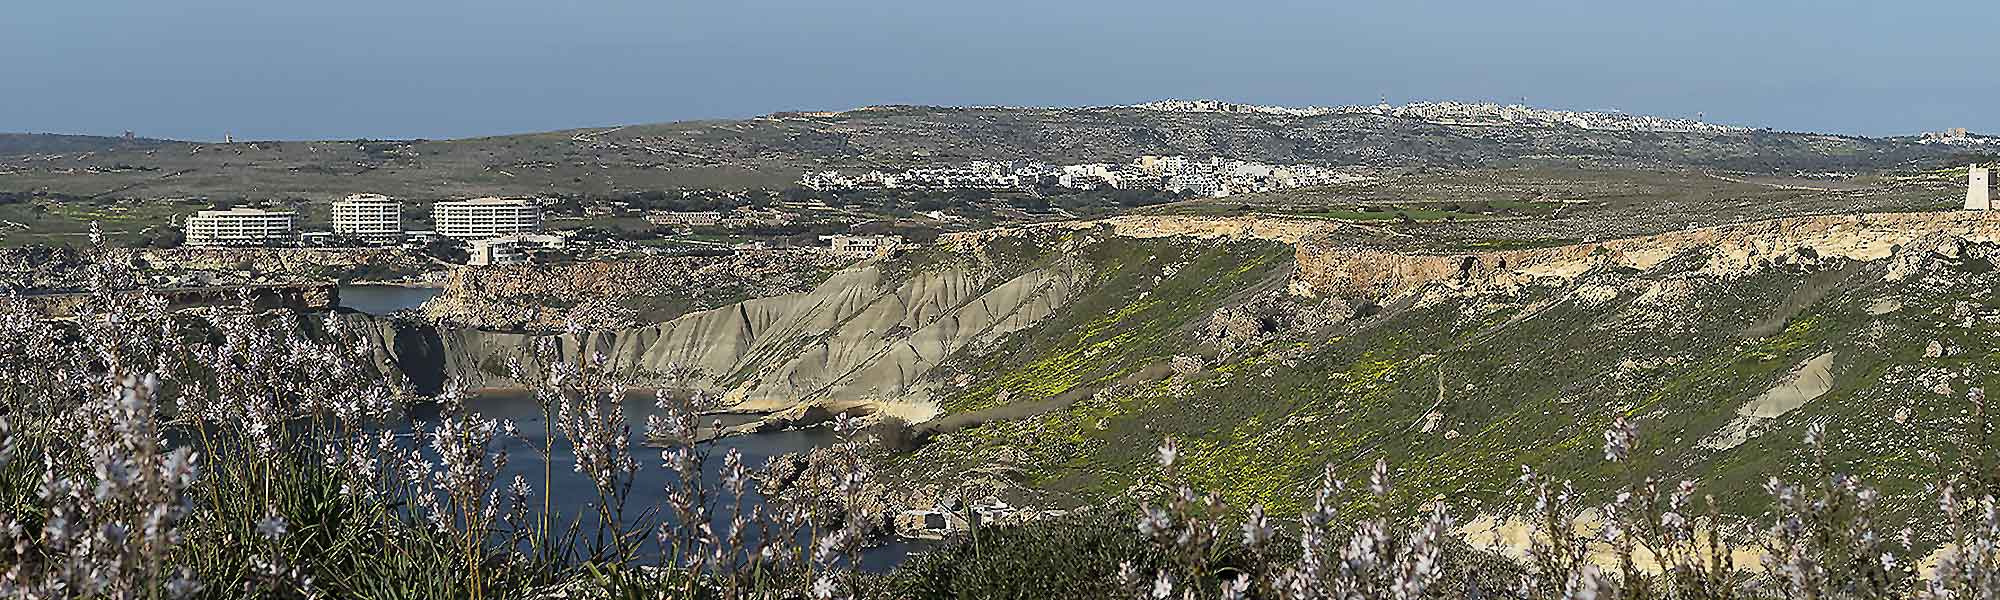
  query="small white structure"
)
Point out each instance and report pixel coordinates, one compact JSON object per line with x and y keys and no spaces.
{"x":241,"y":227}
{"x":482,"y":218}
{"x":509,"y":249}
{"x":1977,"y":183}
{"x":372,"y":217}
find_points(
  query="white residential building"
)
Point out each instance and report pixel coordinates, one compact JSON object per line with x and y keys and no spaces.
{"x":1084,"y":177}
{"x":241,"y":227}
{"x":1162,"y":165}
{"x":1197,"y":183}
{"x":481,"y":218}
{"x":373,"y":217}
{"x":509,"y":249}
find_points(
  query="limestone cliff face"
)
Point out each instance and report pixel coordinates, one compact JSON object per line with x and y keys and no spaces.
{"x":857,"y":337}
{"x":1329,"y":266}
{"x":1327,"y":269}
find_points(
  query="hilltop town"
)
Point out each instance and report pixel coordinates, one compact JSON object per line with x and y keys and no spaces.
{"x":1479,"y":114}
{"x":1212,"y":177}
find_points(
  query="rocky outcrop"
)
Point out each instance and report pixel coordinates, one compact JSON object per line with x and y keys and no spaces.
{"x":302,"y":297}
{"x":285,"y":263}
{"x":1327,"y":268}
{"x":619,"y":294}
{"x":1331,"y":264}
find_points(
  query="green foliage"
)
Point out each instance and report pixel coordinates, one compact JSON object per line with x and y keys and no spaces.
{"x":349,"y":547}
{"x":1069,"y":557}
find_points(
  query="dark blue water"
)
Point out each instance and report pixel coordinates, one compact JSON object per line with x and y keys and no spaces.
{"x":384,"y":299}
{"x":575,"y":495}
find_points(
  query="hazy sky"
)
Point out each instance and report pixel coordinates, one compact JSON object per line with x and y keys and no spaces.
{"x":286,"y":69}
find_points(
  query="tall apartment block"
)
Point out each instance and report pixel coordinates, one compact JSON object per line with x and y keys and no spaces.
{"x":372,"y":217}
{"x":482,"y":218}
{"x":241,"y":227}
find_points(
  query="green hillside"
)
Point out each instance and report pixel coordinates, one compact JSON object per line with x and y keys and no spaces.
{"x":770,"y":152}
{"x":1069,"y":411}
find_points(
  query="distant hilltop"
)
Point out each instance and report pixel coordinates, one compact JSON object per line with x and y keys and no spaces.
{"x":1462,"y":113}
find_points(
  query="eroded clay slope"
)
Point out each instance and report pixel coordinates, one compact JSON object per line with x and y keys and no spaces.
{"x":857,"y":337}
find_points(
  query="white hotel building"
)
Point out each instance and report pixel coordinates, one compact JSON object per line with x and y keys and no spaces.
{"x":481,"y":218}
{"x":241,"y":227}
{"x":372,"y":217}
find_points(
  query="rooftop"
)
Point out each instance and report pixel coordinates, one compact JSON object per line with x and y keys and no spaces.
{"x":491,"y":201}
{"x":243,"y":212}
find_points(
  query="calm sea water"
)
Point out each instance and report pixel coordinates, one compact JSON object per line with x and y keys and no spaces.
{"x":384,"y":299}
{"x":575,"y":496}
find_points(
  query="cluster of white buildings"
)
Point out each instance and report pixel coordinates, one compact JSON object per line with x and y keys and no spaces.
{"x":1464,"y":113}
{"x":1489,"y":114}
{"x":1957,"y":136}
{"x":497,"y":228}
{"x":497,"y":231}
{"x":1213,"y":176}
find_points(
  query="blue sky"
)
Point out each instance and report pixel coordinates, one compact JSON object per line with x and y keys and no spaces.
{"x":281,"y":69}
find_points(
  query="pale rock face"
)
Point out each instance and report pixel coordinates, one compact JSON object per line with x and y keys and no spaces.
{"x":1884,"y":306}
{"x":1808,"y":381}
{"x":1325,"y":268}
{"x":856,"y":338}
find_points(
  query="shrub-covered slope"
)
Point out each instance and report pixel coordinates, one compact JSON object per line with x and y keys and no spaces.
{"x":1458,"y":382}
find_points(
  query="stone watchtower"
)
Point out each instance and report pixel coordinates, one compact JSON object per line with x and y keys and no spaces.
{"x":1976,"y":184}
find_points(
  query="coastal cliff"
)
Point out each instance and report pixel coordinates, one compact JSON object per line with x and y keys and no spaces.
{"x":1044,"y":362}
{"x":876,"y":333}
